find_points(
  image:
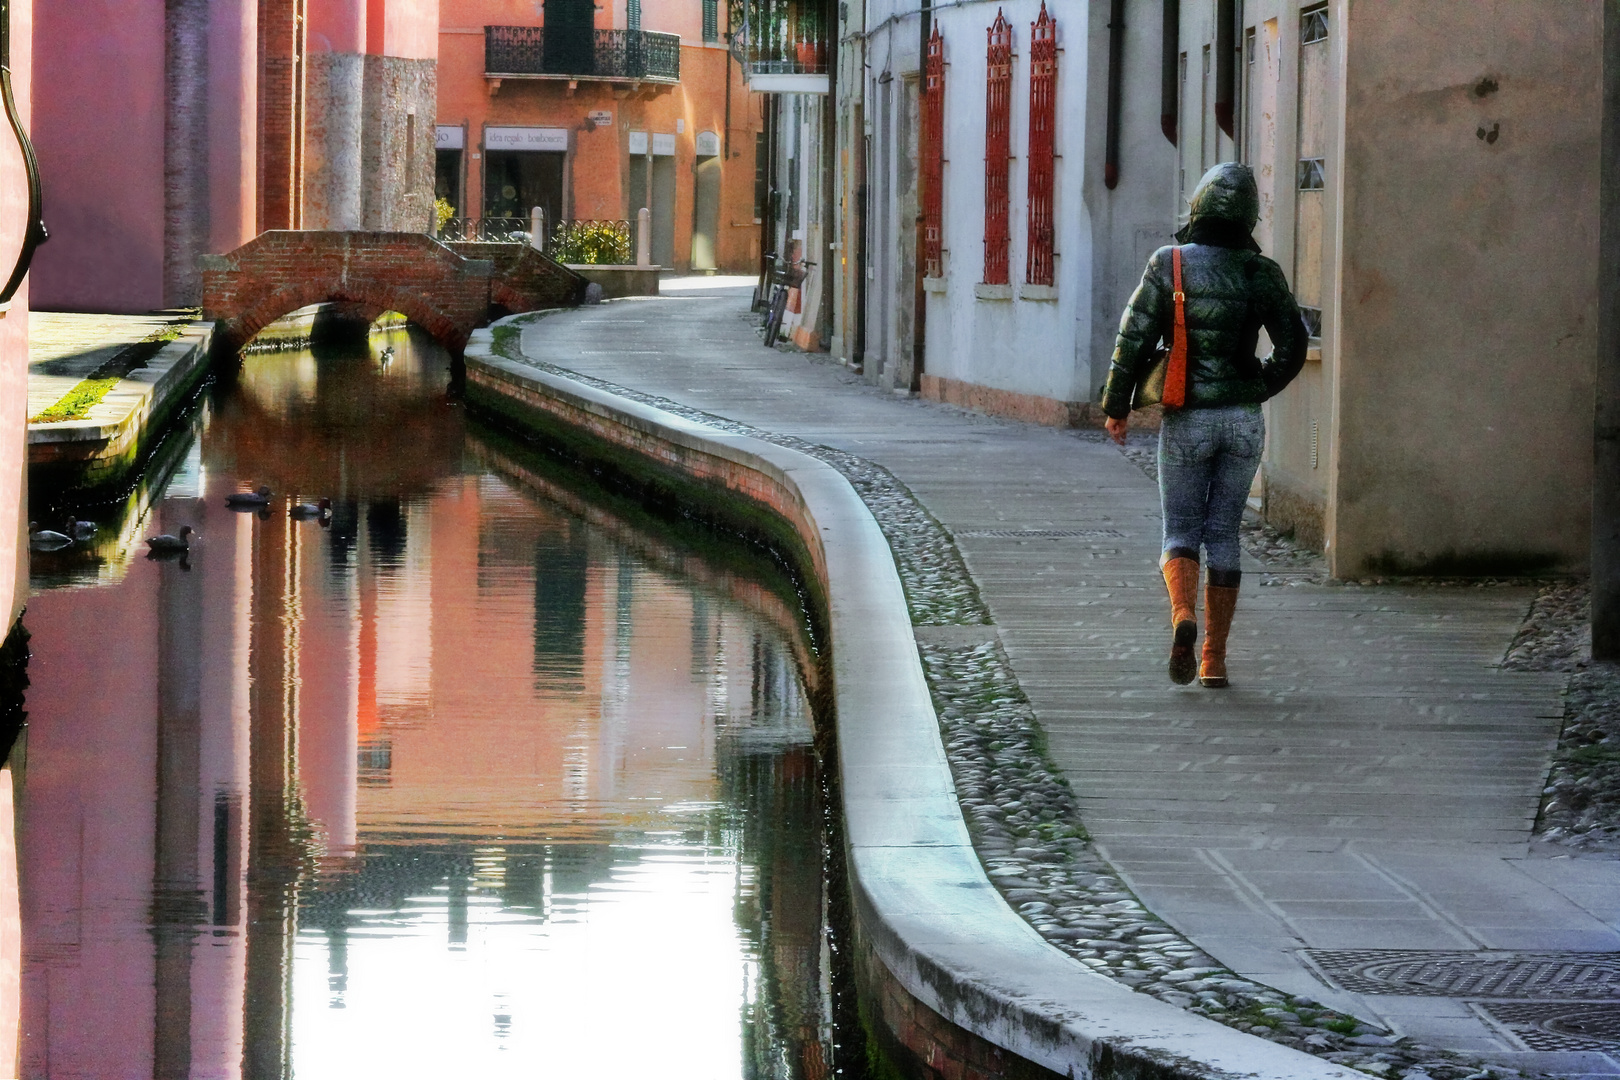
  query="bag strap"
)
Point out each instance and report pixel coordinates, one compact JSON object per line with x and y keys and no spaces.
{"x":1175,"y":375}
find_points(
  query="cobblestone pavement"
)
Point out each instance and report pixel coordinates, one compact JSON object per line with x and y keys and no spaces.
{"x":64,"y":347}
{"x":1361,"y":801}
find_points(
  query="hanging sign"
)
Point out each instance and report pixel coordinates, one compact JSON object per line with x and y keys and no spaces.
{"x":450,"y":137}
{"x":516,"y":138}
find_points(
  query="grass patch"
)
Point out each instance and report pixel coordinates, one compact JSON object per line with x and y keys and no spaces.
{"x":87,"y":392}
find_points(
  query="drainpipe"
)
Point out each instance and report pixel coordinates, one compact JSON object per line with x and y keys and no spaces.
{"x":919,"y":297}
{"x":1170,"y":84}
{"x":1606,"y":419}
{"x":1225,"y":68}
{"x":34,"y":234}
{"x":1116,"y":73}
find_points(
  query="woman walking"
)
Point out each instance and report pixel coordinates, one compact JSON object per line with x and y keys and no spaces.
{"x":1207,"y":300}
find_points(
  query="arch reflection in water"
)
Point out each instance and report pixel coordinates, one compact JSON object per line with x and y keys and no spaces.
{"x":463,"y":784}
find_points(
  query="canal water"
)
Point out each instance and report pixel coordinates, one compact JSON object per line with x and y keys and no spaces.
{"x":476,"y":777}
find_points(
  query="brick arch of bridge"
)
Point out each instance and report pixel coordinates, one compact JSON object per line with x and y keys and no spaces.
{"x":281,"y":271}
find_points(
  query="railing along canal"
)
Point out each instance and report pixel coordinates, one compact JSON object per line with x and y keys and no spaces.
{"x":598,"y":242}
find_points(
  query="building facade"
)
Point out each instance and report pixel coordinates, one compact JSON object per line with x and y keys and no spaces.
{"x":1005,"y":169}
{"x":224,"y":118}
{"x":591,"y":113}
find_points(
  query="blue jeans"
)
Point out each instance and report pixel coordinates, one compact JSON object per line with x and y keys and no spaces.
{"x":1207,"y":460}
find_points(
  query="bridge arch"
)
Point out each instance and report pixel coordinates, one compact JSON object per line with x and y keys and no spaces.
{"x":445,"y":293}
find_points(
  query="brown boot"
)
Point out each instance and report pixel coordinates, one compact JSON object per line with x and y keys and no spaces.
{"x":1181,"y":579}
{"x":1219,"y":604}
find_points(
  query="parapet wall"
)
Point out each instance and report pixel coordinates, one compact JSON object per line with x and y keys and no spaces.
{"x":959,"y":983}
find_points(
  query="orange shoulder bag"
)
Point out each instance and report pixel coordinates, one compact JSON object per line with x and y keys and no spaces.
{"x":1166,"y":380}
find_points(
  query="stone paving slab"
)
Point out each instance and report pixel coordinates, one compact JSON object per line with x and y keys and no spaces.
{"x":1369,"y":778}
{"x":64,"y":347}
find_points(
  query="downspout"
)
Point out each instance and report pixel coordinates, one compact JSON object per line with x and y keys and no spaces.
{"x":1116,"y":64}
{"x":1225,"y":67}
{"x":829,"y":180}
{"x":34,"y":234}
{"x":1169,"y":86}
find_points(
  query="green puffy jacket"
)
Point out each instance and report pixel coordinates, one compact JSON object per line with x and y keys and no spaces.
{"x":1232,"y":291}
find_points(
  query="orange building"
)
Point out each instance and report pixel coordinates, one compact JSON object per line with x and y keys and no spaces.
{"x":591,"y":113}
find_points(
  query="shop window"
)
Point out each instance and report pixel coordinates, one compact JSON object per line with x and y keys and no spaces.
{"x":997,"y":148}
{"x":1038,"y":268}
{"x":934,"y":156}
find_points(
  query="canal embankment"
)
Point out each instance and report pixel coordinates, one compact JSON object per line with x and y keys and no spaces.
{"x":102,"y":391}
{"x":959,"y":982}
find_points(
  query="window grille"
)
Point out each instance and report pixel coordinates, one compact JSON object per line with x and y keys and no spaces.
{"x":1038,"y":269}
{"x":934,"y":156}
{"x":997,"y":148}
{"x":711,"y":20}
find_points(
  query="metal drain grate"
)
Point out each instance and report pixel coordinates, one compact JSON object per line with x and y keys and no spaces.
{"x":1044,"y":534}
{"x":1572,"y":975}
{"x":1558,"y":1026}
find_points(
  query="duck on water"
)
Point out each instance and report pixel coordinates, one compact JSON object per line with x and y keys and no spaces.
{"x":249,"y":500}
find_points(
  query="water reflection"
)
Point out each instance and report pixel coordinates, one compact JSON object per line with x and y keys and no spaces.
{"x":465,"y":783}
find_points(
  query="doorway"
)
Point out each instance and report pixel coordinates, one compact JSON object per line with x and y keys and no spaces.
{"x":661,"y":202}
{"x":706,"y":209}
{"x":516,"y":181}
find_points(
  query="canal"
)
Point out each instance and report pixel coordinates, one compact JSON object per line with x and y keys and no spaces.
{"x":478,"y":775}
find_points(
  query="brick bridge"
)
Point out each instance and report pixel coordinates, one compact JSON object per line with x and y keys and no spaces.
{"x":447,"y":291}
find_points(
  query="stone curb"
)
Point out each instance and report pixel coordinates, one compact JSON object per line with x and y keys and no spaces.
{"x":921,"y":896}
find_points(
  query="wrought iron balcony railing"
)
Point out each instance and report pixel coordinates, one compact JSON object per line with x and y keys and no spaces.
{"x":582,"y":54}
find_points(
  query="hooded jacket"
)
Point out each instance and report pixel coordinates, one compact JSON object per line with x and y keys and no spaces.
{"x":1231,"y":292}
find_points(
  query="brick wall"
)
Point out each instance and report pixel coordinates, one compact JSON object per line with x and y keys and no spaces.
{"x":526,"y":280}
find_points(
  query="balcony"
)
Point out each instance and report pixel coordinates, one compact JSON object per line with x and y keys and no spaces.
{"x":628,"y":57}
{"x":784,"y":45}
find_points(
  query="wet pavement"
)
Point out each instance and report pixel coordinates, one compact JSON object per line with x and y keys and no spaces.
{"x":473,"y":778}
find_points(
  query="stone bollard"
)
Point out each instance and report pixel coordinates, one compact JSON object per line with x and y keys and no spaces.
{"x":643,"y":237}
{"x":537,"y":229}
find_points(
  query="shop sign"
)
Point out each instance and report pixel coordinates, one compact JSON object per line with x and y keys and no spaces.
{"x":516,"y":138}
{"x":602,"y":118}
{"x":663,"y":145}
{"x":638,"y":143}
{"x":708,"y":144}
{"x":450,"y":137}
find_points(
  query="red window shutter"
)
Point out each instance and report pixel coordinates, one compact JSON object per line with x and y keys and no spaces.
{"x":1038,"y":268}
{"x":997,"y":148}
{"x":934,"y":155}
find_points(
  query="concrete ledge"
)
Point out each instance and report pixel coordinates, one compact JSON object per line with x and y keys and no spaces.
{"x":618,"y":280}
{"x":101,"y":449}
{"x":923,"y":907}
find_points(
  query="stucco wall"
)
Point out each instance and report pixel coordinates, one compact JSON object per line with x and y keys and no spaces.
{"x":104,"y":104}
{"x":1468,"y":290}
{"x":1026,"y":346}
{"x":14,"y":344}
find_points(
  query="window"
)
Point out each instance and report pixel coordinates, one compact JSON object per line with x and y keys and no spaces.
{"x":934,"y":156}
{"x":1311,"y":171}
{"x":632,"y":16}
{"x":997,"y":148}
{"x":1313,"y":26}
{"x":711,"y":20}
{"x":1038,"y":269}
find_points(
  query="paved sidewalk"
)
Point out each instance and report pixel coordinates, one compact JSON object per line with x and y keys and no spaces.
{"x":64,"y":347}
{"x":1362,"y":796}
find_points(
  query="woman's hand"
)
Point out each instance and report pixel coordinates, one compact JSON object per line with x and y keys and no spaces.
{"x":1116,"y":428}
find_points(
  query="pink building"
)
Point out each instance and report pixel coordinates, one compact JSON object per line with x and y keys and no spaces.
{"x":177,"y":130}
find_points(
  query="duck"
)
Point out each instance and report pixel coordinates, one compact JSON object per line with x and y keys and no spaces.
{"x":170,"y":545}
{"x":45,"y":540}
{"x":386,"y":357}
{"x":310,"y":510}
{"x":81,"y":530}
{"x":249,"y":500}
